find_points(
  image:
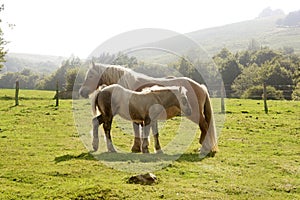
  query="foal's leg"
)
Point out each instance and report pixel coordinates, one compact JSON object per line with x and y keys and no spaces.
{"x":155,"y":137}
{"x":145,"y":135}
{"x":109,"y":144}
{"x":136,"y":147}
{"x":97,"y":121}
{"x":145,"y":139}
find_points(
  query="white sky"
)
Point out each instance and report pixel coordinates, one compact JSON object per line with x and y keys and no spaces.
{"x":65,"y":27}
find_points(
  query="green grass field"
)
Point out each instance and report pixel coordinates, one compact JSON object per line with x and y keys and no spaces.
{"x":43,"y":157}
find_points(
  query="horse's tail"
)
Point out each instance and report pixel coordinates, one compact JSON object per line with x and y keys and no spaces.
{"x":95,"y":102}
{"x":210,"y":141}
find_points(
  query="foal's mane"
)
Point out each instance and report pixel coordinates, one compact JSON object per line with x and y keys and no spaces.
{"x":157,"y":88}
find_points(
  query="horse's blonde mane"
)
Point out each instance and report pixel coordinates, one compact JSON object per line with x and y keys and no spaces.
{"x":115,"y":74}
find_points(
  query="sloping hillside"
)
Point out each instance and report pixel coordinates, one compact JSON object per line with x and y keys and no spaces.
{"x":235,"y":37}
{"x":38,"y":63}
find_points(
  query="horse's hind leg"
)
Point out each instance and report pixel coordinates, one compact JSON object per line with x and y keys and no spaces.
{"x":97,"y":121}
{"x":155,"y":137}
{"x":203,"y":127}
{"x":136,"y":147}
{"x":109,"y":144}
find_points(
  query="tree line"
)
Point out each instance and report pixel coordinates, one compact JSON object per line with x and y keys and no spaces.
{"x":29,"y":79}
{"x":243,"y":72}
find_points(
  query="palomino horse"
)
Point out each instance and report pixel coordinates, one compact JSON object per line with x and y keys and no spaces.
{"x":143,"y":108}
{"x":198,"y":97}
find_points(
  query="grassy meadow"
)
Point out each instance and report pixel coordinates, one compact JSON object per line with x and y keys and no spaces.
{"x":43,"y":157}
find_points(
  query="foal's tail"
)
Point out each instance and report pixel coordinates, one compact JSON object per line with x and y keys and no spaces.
{"x":95,"y":100}
{"x":210,"y":142}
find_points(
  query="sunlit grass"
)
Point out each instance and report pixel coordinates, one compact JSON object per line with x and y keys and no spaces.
{"x":42,"y":155}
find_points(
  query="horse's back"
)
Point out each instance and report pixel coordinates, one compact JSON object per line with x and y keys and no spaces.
{"x":199,"y":89}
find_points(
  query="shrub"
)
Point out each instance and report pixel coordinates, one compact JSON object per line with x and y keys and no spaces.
{"x":256,"y":92}
{"x":296,"y":93}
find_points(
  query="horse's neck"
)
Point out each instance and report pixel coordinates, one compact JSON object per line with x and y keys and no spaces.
{"x":167,"y":99}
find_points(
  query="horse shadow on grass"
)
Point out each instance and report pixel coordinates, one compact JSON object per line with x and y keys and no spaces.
{"x":68,"y":157}
{"x":131,"y":157}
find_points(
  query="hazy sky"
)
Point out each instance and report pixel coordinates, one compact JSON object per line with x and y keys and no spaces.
{"x":65,"y":27}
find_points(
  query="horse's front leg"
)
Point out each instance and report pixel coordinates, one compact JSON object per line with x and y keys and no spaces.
{"x":136,"y":147}
{"x":155,"y":137}
{"x":97,"y":121}
{"x":109,"y":144}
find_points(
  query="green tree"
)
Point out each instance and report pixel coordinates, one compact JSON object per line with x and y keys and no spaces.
{"x":292,"y":64}
{"x":3,"y":42}
{"x":249,"y":77}
{"x":224,"y":54}
{"x":229,"y":68}
{"x":256,"y":92}
{"x":244,"y":58}
{"x":26,"y":77}
{"x":105,"y":58}
{"x":49,"y":82}
{"x":264,"y":55}
{"x":187,"y":69}
{"x":296,"y":93}
{"x":125,"y":60}
{"x":71,"y":76}
{"x":8,"y":80}
{"x":277,"y":76}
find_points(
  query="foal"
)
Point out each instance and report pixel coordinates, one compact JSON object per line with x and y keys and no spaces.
{"x":143,"y":108}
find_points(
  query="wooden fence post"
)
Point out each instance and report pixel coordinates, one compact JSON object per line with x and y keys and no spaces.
{"x":265,"y":97}
{"x":17,"y":93}
{"x":222,"y":98}
{"x":57,"y":96}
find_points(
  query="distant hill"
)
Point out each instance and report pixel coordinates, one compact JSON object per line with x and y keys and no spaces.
{"x":237,"y":36}
{"x":291,"y":20}
{"x":38,"y":63}
{"x":268,"y":12}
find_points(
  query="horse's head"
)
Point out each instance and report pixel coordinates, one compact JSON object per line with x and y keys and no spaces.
{"x":91,"y":81}
{"x":184,"y":103}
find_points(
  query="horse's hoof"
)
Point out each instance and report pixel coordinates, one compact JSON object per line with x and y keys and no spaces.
{"x":95,"y":149}
{"x":145,"y":151}
{"x":95,"y":144}
{"x":212,"y":154}
{"x":159,"y":151}
{"x":203,"y":155}
{"x":135,"y":150}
